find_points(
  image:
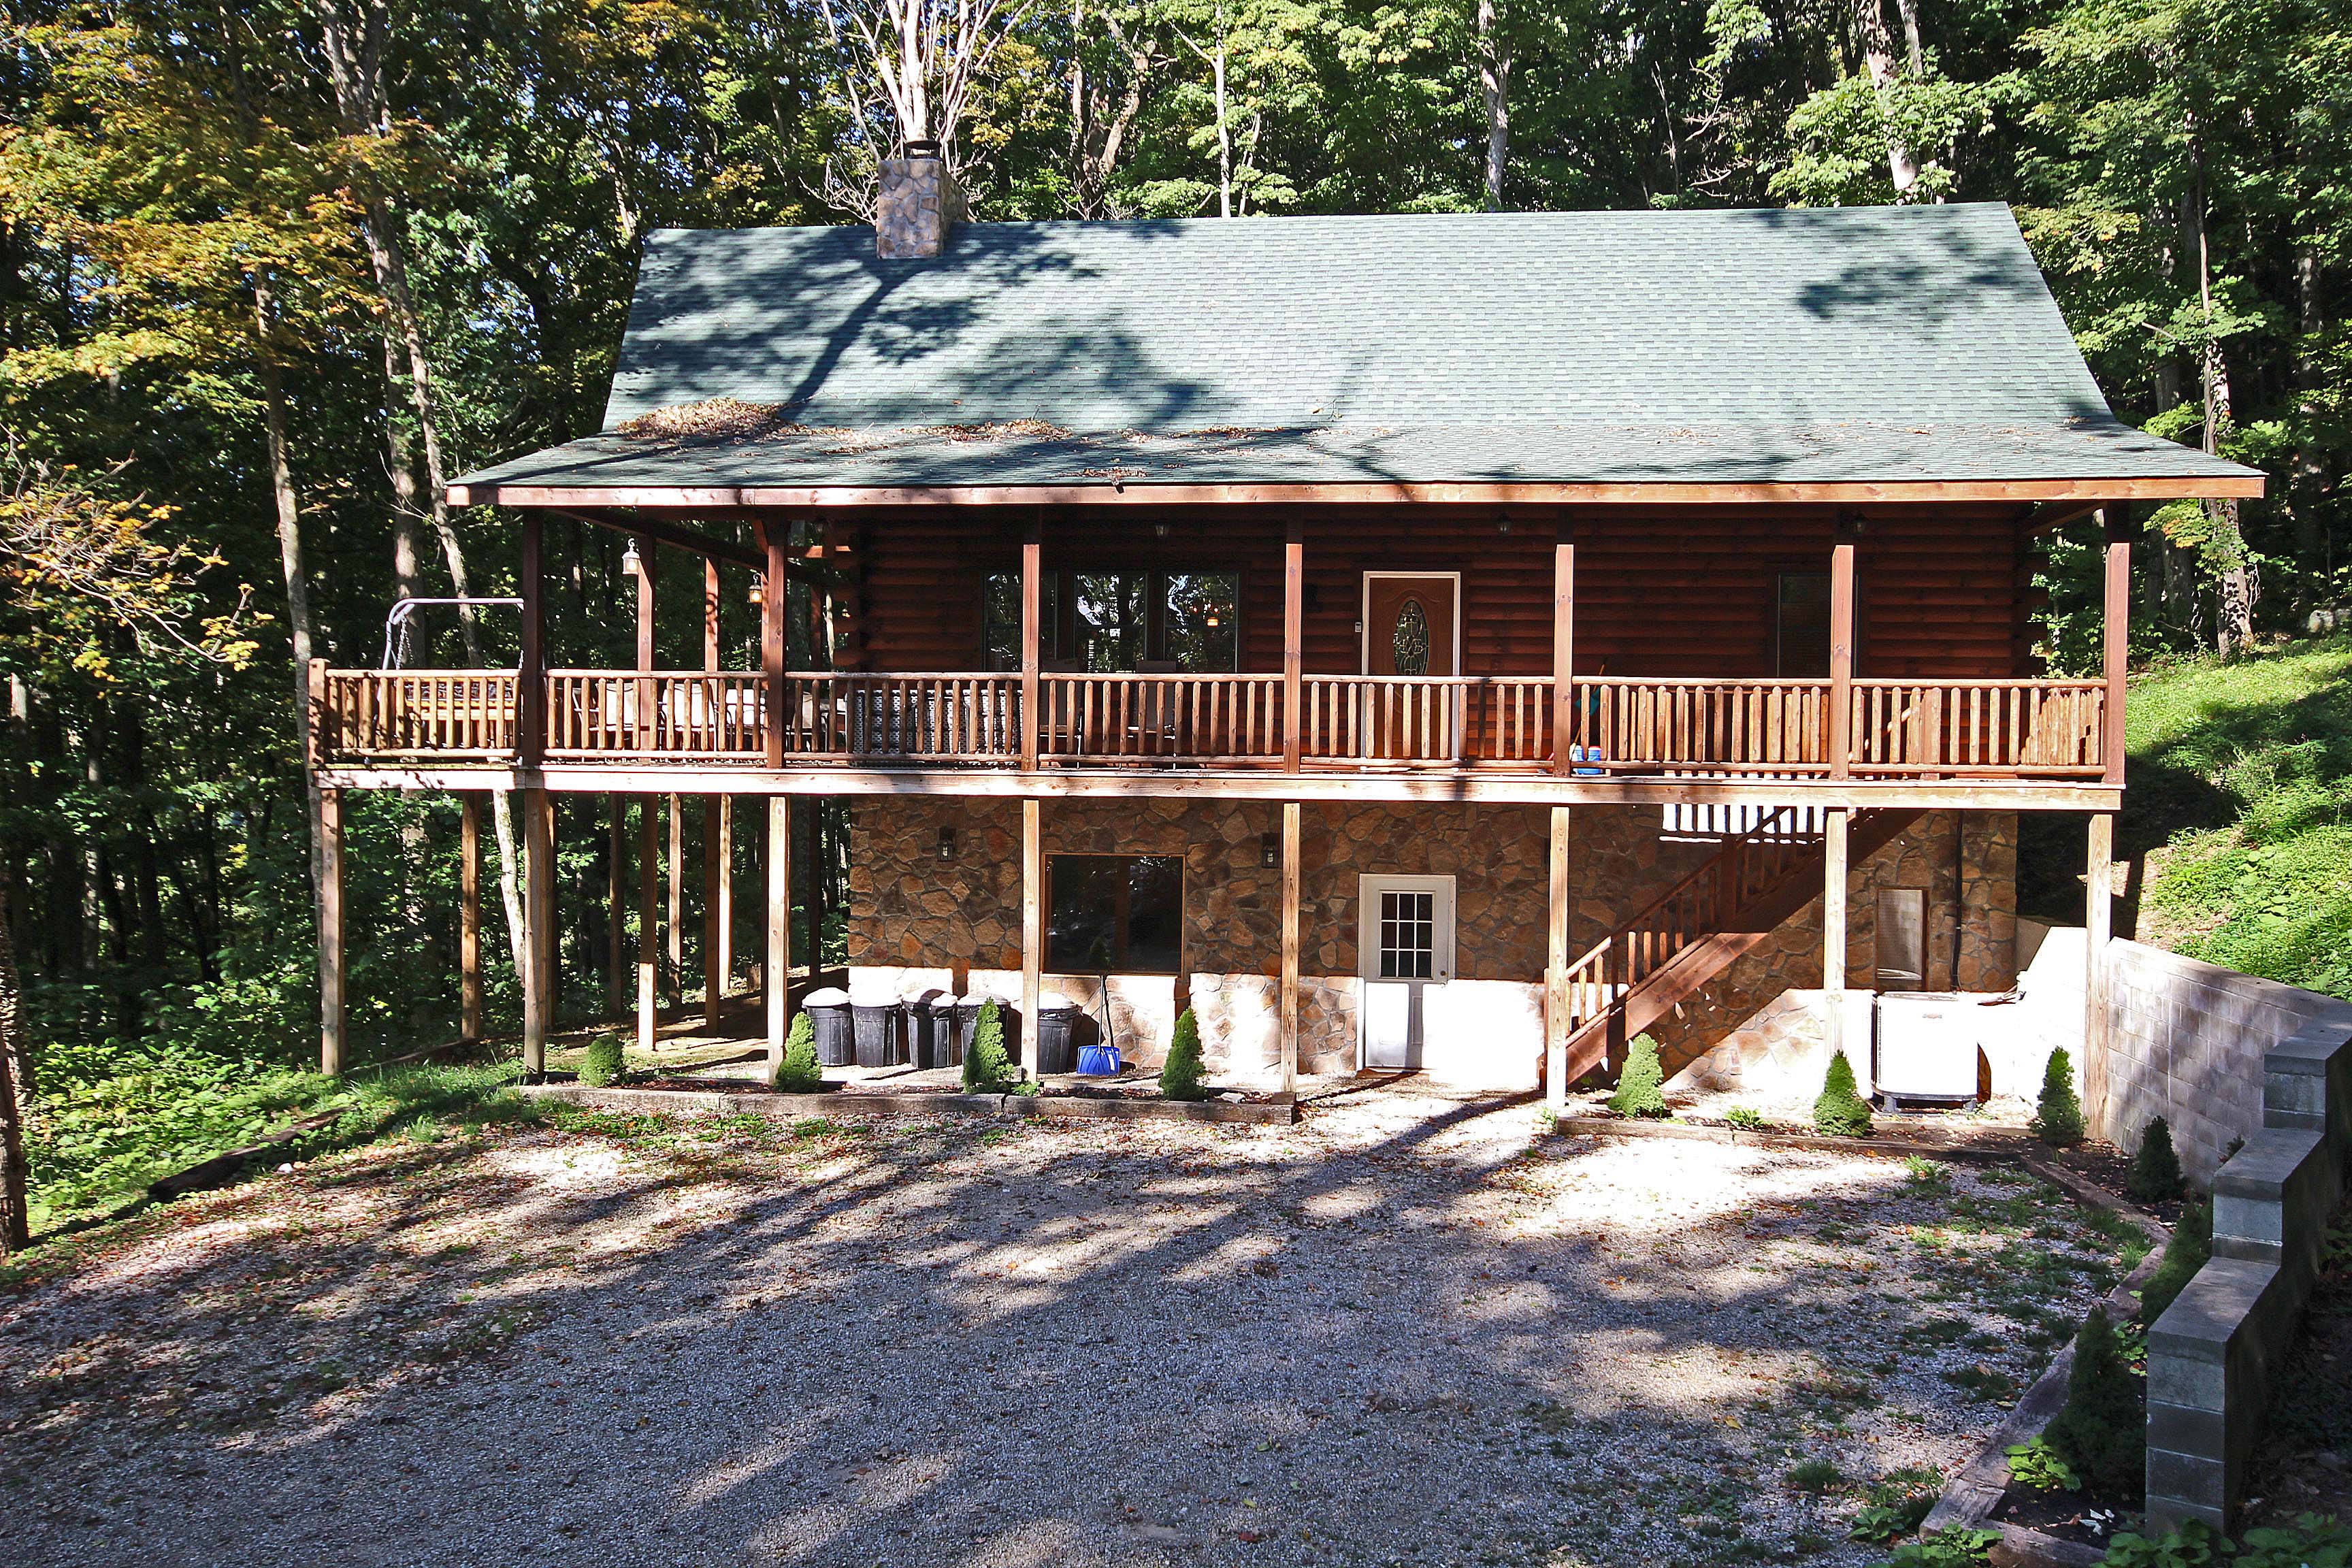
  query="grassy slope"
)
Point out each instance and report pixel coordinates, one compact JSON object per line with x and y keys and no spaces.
{"x":2240,"y":799}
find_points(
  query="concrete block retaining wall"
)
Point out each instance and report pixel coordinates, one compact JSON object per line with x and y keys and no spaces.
{"x":2213,"y":1357}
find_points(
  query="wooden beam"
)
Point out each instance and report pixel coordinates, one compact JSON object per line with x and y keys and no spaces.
{"x":2116,"y":643}
{"x":1288,"y":983}
{"x":1436,"y":785}
{"x":1834,"y":923}
{"x":1032,"y":641}
{"x":1841,"y":715}
{"x":530,"y":668}
{"x":1840,"y":492}
{"x":714,"y":971}
{"x":710,"y":614}
{"x":1033,"y":923}
{"x":1294,"y":643}
{"x":1563,"y":651}
{"x":776,"y":965}
{"x":647,"y":559}
{"x":334,"y":1015}
{"x":469,"y":917}
{"x":724,"y":805}
{"x":692,"y":541}
{"x":539,"y":928}
{"x":2098,"y":973}
{"x":648,"y":923}
{"x":616,"y":910}
{"x":774,"y":603}
{"x":673,"y":934}
{"x":1556,"y":960}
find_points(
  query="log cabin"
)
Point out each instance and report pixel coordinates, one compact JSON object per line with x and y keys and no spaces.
{"x":1452,"y":643}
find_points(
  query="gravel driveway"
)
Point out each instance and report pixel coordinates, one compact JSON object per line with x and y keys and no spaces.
{"x":1412,"y":1330}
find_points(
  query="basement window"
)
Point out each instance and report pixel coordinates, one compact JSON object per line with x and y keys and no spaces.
{"x":1901,"y":957}
{"x":1115,"y":914}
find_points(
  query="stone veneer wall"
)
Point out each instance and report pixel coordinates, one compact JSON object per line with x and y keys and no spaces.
{"x":917,"y":921}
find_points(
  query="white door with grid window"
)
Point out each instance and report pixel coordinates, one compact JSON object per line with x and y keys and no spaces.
{"x":1404,"y":947}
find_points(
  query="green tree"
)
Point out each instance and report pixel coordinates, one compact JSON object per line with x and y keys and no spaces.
{"x":1182,"y":1075}
{"x":2058,"y":1114}
{"x":1640,"y":1086}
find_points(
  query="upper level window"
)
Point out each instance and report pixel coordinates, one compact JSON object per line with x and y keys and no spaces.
{"x":1118,"y":621}
{"x":1800,"y":624}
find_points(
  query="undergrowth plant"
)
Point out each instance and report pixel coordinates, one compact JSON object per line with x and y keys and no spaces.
{"x":2154,"y":1176}
{"x":2038,"y":1464}
{"x":1641,"y":1088}
{"x":2102,"y":1433}
{"x":600,"y":1064}
{"x":2190,"y":1248}
{"x":799,"y":1072}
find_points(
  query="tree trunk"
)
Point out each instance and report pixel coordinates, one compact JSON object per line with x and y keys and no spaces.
{"x":2233,"y":630}
{"x":1878,"y":60}
{"x":2308,"y":481}
{"x":1494,"y":84}
{"x":15,"y":1098}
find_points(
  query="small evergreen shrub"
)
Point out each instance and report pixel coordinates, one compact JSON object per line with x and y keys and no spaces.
{"x":2102,"y":1434}
{"x":1841,"y":1110}
{"x":986,"y":1068}
{"x":2189,"y":1249}
{"x":799,"y":1073}
{"x":601,"y":1063}
{"x":2155,"y":1176}
{"x":2058,"y":1117}
{"x":1182,"y":1075}
{"x":1641,"y":1088}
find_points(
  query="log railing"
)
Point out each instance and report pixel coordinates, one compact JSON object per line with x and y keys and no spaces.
{"x":407,"y":714}
{"x":1621,"y":726}
{"x":1702,"y":904}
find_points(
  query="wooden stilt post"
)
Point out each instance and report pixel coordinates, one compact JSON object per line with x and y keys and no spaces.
{"x":1834,"y":902}
{"x":1033,"y":923}
{"x":470,"y":918}
{"x":334,"y":1017}
{"x":1841,"y":713}
{"x":1556,"y":963}
{"x":1288,"y":983}
{"x":776,"y":967}
{"x":1293,"y":644}
{"x":714,"y":972}
{"x":725,"y":895}
{"x":616,"y":856}
{"x":649,"y":925}
{"x":1563,"y":668}
{"x":2098,"y":974}
{"x":1032,"y":641}
{"x":539,"y":927}
{"x":674,"y":935}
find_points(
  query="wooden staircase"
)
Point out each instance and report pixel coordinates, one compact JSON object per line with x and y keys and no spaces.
{"x":1703,"y":924}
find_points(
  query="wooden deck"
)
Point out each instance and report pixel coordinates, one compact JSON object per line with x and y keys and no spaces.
{"x":1618,"y":729}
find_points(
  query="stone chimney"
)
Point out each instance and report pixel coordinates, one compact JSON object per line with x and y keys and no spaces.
{"x":921,"y":201}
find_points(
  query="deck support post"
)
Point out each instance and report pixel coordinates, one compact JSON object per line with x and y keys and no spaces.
{"x":1294,"y":643}
{"x":649,"y":925}
{"x":723,"y":895}
{"x":776,"y":966}
{"x":2116,"y":525}
{"x":1033,"y":923}
{"x":1833,"y":912}
{"x":1563,"y":668}
{"x":674,"y":935}
{"x":1288,"y":983}
{"x":2098,"y":974}
{"x":469,"y":917}
{"x":1031,"y":645}
{"x":617,"y":849}
{"x":334,"y":1017}
{"x":539,"y":928}
{"x":1841,"y":713}
{"x":530,"y":664}
{"x":714,"y":971}
{"x":1556,"y":963}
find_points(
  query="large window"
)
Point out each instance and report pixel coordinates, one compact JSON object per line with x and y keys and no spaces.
{"x":1800,"y":624}
{"x":1120,"y":914}
{"x":1119,"y":621}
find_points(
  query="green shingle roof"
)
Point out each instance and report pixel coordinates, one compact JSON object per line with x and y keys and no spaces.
{"x":1854,"y":345}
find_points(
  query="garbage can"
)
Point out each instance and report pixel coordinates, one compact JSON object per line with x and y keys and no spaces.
{"x":878,"y":1036}
{"x":923,"y":1030}
{"x":1056,"y":1016}
{"x":828,"y":1011}
{"x":948,"y":1032}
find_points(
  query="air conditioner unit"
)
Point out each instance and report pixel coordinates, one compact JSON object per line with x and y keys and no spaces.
{"x":1926,"y":1045}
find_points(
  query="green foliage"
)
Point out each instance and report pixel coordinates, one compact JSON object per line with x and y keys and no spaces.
{"x":2155,"y":1174}
{"x":2189,"y":1249}
{"x":798,"y":1072}
{"x":1746,"y":1116}
{"x":1816,"y":1476}
{"x":2038,"y":1464}
{"x":600,"y":1064}
{"x":2058,"y":1114}
{"x":1897,"y":1504}
{"x":1955,"y":1547}
{"x":1641,"y":1089}
{"x":2311,"y":1542}
{"x":1840,"y":1109}
{"x":2102,"y":1434}
{"x":2194,"y":1544}
{"x":1926,"y":1174}
{"x":987,"y":1070}
{"x":1182,"y":1075}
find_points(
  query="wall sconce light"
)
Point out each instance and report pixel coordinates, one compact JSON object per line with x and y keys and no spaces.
{"x":1269,"y":848}
{"x":1502,"y":525}
{"x":631,"y":562}
{"x":1158,"y":530}
{"x":947,"y":843}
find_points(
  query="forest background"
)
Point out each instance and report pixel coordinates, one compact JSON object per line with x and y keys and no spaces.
{"x":270,"y":273}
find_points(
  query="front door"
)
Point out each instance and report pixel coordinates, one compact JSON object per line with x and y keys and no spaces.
{"x":1409,"y":622}
{"x":1404,"y":947}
